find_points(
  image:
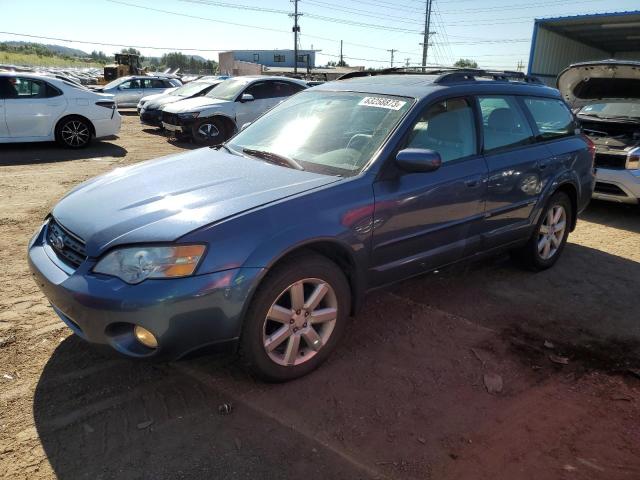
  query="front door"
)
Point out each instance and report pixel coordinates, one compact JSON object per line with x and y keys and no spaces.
{"x":129,"y":93}
{"x":514,"y":161}
{"x":426,"y":220}
{"x":31,"y":108}
{"x":248,"y":111}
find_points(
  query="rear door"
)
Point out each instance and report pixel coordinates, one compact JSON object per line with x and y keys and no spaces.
{"x":31,"y":108}
{"x":153,"y":86}
{"x":515,"y":161}
{"x":426,"y":220}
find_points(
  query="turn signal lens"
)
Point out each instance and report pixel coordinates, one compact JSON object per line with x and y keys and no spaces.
{"x":633,"y":159}
{"x":145,"y":337}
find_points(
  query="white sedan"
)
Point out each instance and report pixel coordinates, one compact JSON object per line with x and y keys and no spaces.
{"x":37,"y":108}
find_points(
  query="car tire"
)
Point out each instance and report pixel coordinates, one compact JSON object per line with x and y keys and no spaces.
{"x":209,"y":131}
{"x":280,"y":342}
{"x":73,"y":132}
{"x":550,"y":235}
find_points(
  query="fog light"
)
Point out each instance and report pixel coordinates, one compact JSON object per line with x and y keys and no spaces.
{"x":145,"y":337}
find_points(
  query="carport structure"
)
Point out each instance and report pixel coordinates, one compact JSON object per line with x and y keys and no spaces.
{"x":559,"y":42}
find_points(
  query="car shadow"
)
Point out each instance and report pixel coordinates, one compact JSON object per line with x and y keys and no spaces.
{"x":180,"y":142}
{"x":99,"y":415}
{"x":50,"y":152}
{"x":617,"y":215}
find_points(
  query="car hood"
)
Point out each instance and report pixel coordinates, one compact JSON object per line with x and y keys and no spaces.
{"x":162,"y":100}
{"x":157,"y":96}
{"x":590,"y":82}
{"x":164,"y":199}
{"x":196,"y":104}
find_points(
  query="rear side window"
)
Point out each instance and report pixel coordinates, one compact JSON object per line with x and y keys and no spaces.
{"x":153,"y":83}
{"x":24,"y":88}
{"x":552,"y":117}
{"x":504,"y":123}
{"x":448,"y":128}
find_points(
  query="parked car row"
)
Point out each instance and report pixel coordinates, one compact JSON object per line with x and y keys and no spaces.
{"x":269,"y":243}
{"x":210,"y":112}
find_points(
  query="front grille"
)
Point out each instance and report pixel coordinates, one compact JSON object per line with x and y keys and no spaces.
{"x":68,"y":247}
{"x":611,"y":160}
{"x":609,"y":189}
{"x":170,"y":118}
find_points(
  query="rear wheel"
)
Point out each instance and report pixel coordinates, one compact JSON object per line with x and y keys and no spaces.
{"x":73,"y":132}
{"x":209,"y":131}
{"x":296,"y":318}
{"x":550,"y":236}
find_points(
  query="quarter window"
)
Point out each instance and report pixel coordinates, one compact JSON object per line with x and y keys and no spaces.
{"x":504,"y":124}
{"x":552,"y":117}
{"x":448,"y":128}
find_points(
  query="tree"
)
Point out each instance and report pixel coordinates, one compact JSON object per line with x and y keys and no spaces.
{"x":341,"y":63}
{"x":466,"y":63}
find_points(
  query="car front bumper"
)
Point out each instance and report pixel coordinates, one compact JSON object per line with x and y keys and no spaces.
{"x":151,"y":117}
{"x":184,"y":314}
{"x":617,"y":185}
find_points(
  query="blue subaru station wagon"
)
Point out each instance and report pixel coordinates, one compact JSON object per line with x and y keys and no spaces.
{"x":268,"y":243}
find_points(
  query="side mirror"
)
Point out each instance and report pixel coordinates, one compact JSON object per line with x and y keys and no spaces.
{"x":417,"y":160}
{"x":245,"y":126}
{"x":246,"y":97}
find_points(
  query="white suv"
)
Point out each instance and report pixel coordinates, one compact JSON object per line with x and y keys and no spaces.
{"x":37,"y":108}
{"x":215,"y":117}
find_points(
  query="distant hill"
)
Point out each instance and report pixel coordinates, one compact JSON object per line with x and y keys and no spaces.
{"x":59,"y":49}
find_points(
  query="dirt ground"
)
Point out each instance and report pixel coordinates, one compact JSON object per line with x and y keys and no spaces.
{"x":405,"y":395}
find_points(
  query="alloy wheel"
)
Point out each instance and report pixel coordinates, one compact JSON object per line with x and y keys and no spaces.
{"x":208,"y":131}
{"x":299,"y":323}
{"x":75,"y":133}
{"x":551,"y":232}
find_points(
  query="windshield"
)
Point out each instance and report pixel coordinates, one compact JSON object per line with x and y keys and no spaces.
{"x":335,"y":133}
{"x":612,"y":110}
{"x":114,"y":83}
{"x":228,"y":90}
{"x":190,"y":89}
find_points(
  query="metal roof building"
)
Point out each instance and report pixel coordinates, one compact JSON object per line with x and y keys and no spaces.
{"x":559,"y":42}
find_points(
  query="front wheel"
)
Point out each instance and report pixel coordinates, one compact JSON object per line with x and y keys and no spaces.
{"x":550,"y":236}
{"x":296,"y":318}
{"x":209,"y":131}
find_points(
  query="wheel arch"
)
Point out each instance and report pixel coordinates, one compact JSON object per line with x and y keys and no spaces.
{"x":572,"y":192}
{"x":75,"y":115}
{"x":331,"y":249}
{"x":226,"y":119}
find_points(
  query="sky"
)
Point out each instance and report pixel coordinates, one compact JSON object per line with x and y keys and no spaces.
{"x":495,"y":33}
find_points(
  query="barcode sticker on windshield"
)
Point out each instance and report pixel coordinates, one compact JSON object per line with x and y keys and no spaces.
{"x":382,"y":102}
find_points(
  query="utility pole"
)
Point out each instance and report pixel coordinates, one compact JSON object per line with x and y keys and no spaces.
{"x":407,"y":60}
{"x":341,"y":64}
{"x":296,"y":31}
{"x":427,"y":25}
{"x":393,"y":50}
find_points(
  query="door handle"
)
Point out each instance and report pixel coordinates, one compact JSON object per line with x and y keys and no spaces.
{"x":473,"y":182}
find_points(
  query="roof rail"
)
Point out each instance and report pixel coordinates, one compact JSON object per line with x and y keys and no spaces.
{"x":450,"y":74}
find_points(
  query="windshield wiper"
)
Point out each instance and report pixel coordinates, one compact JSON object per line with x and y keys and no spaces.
{"x":273,"y":158}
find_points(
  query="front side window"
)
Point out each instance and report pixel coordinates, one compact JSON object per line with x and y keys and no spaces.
{"x":504,"y":124}
{"x":24,"y":88}
{"x":130,"y":85}
{"x":552,"y":117}
{"x":448,"y":127}
{"x":335,"y":133}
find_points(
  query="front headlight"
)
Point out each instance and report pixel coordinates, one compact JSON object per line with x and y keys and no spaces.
{"x":633,"y":159}
{"x":136,"y":264}
{"x":189,"y":115}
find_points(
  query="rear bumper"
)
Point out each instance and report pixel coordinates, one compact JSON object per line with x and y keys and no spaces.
{"x":108,"y":127}
{"x":184,"y":314}
{"x":617,"y":185}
